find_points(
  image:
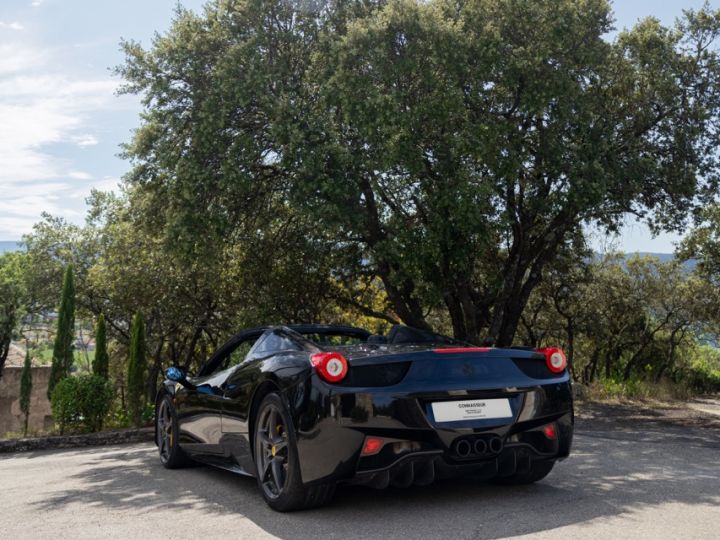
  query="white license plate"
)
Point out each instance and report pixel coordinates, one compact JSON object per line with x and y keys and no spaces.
{"x":474,"y":409}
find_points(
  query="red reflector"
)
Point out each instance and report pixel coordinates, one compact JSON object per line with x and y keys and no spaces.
{"x":549,"y":431}
{"x":372,"y":446}
{"x":452,"y":350}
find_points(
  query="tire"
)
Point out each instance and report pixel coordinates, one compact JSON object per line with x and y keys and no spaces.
{"x":538,"y":471}
{"x":276,"y":461}
{"x":166,"y":438}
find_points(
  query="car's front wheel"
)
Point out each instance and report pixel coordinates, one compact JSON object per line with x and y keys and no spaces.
{"x":276,"y":460}
{"x":166,"y":433}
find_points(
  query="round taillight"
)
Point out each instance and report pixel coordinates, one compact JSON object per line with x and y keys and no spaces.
{"x":331,"y":366}
{"x":554,"y":358}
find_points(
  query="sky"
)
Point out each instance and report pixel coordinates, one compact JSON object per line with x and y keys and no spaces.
{"x":61,"y":122}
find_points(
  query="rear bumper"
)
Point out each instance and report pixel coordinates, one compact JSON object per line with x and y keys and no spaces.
{"x":334,"y":422}
{"x":422,"y":468}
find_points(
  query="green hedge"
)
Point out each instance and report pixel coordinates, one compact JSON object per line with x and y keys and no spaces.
{"x":81,"y":403}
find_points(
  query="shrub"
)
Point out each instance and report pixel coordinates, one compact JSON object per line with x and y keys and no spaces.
{"x":81,"y":403}
{"x":703,"y":376}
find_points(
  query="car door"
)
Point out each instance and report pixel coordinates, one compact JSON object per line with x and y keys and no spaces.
{"x":239,"y":392}
{"x":243,"y":381}
{"x":200,"y":408}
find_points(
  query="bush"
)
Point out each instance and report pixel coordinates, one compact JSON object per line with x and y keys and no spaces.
{"x":618,"y":390}
{"x":703,"y":377}
{"x":81,"y":403}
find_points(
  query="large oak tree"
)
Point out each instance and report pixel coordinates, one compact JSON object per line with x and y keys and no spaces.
{"x":450,"y":148}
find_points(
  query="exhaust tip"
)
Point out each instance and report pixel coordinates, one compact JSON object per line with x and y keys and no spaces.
{"x":480,"y":446}
{"x":496,"y":445}
{"x":463,"y":448}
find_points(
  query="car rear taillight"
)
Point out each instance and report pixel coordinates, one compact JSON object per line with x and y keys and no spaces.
{"x":554,"y":358}
{"x":331,"y":366}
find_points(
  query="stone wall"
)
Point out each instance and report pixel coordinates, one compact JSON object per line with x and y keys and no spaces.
{"x":11,"y":419}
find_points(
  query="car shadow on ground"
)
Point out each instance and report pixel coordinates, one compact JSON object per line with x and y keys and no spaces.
{"x":607,"y":476}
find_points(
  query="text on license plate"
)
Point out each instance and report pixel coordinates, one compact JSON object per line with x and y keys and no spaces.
{"x":474,"y":409}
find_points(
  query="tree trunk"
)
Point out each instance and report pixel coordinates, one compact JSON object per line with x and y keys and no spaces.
{"x":593,"y":365}
{"x":4,"y":351}
{"x":153,"y":371}
{"x":608,"y":366}
{"x":570,"y":329}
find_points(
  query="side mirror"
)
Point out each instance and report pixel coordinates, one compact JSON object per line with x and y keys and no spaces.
{"x":175,"y":374}
{"x":178,"y":375}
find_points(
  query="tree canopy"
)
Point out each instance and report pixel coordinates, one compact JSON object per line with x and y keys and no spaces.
{"x":13,"y":299}
{"x":451,"y":150}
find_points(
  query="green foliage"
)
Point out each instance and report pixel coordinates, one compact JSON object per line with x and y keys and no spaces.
{"x":63,"y":356}
{"x":620,"y":319}
{"x":451,"y":150}
{"x":136,"y":377}
{"x":101,"y":359}
{"x":703,"y":373}
{"x":13,"y":297}
{"x":431,"y":162}
{"x":26,"y":388}
{"x":637,"y":389}
{"x":81,"y":403}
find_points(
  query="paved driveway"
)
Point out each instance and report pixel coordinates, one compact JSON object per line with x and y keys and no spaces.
{"x":626,"y":479}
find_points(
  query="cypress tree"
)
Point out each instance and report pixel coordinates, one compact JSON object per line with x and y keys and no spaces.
{"x":26,"y":389}
{"x":62,"y":358}
{"x":136,"y":370}
{"x":101,"y":360}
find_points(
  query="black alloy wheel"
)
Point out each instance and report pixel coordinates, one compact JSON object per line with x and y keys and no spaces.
{"x":271,"y":449}
{"x":277,"y":464}
{"x":166,"y":433}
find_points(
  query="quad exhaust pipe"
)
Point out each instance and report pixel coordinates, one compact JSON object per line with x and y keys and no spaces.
{"x":463,"y":448}
{"x":479,"y":447}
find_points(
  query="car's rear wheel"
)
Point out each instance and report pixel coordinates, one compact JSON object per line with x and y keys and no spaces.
{"x":276,"y":460}
{"x":166,"y":431}
{"x":538,"y":470}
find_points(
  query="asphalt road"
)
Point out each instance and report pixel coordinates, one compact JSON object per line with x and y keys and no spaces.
{"x":626,"y":479}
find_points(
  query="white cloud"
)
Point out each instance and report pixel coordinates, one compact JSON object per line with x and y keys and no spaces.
{"x":85,"y":140}
{"x":36,"y":3}
{"x":40,"y":107}
{"x":14,"y":59}
{"x":79,"y":175}
{"x":108,"y":183}
{"x":12,"y":26}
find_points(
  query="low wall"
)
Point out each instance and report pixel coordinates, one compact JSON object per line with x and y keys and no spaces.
{"x":11,"y":418}
{"x":118,"y":436}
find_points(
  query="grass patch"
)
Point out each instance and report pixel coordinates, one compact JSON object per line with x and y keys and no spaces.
{"x":81,"y":363}
{"x":611,"y":390}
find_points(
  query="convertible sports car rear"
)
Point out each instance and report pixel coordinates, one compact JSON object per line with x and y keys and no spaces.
{"x":302,"y":415}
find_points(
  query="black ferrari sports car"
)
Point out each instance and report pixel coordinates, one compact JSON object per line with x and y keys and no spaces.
{"x":305,"y":407}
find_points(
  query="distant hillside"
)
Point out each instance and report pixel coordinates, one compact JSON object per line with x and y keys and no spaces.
{"x":664,"y":258}
{"x":9,"y":245}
